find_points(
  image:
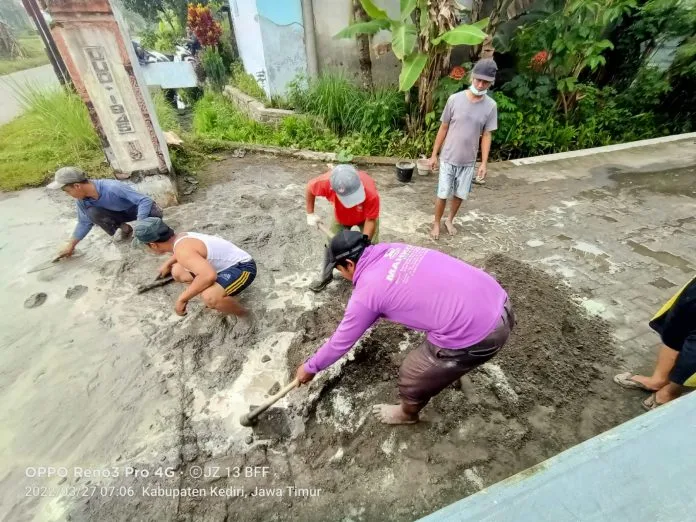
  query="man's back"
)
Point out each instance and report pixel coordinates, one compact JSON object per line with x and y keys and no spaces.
{"x":456,"y":303}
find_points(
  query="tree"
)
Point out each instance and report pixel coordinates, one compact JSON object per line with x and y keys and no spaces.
{"x":422,"y":38}
{"x":153,"y":10}
{"x":363,"y":40}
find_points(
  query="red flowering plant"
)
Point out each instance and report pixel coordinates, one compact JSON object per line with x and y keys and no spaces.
{"x":539,"y":61}
{"x":457,"y":73}
{"x":201,"y":21}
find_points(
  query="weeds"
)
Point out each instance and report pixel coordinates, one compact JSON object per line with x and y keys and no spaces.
{"x":55,"y":131}
{"x":33,"y":53}
{"x":246,"y":82}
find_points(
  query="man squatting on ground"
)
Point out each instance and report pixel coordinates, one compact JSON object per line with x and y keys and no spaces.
{"x":107,"y":203}
{"x":469,"y":116}
{"x":675,"y":370}
{"x":354,"y":197}
{"x":465,"y":313}
{"x":209,"y":265}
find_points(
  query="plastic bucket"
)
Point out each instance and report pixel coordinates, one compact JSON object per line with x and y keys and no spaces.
{"x":404,"y":171}
{"x":423,"y":166}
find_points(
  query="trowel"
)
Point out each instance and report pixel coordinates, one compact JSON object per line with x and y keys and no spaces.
{"x":49,"y":264}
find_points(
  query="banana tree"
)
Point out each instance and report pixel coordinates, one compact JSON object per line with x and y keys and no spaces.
{"x":422,"y":39}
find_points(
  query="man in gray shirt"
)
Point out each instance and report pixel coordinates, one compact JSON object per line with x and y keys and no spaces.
{"x":469,"y":115}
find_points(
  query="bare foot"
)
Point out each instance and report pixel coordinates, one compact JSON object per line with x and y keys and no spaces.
{"x":668,"y":393}
{"x":435,"y":232}
{"x":393,"y":414}
{"x":648,"y":382}
{"x":450,"y":227}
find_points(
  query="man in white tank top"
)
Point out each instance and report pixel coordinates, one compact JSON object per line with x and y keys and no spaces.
{"x":210,"y":266}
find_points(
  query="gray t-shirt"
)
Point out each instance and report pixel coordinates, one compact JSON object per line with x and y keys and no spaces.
{"x":467,"y":121}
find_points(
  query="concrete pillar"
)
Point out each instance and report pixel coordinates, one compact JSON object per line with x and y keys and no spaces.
{"x":96,"y":48}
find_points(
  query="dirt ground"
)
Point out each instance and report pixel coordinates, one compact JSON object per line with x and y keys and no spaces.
{"x":182,"y":384}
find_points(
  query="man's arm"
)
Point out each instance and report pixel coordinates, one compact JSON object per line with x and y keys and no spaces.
{"x":486,"y":140}
{"x":166,"y":268}
{"x":356,"y":320}
{"x":82,"y":228}
{"x":310,"y":198}
{"x":205,"y":274}
{"x":143,"y":202}
{"x":369,"y":228}
{"x":439,"y":140}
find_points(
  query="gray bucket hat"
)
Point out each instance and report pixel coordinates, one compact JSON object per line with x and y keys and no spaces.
{"x":67,"y":176}
{"x":151,"y":230}
{"x":485,"y":69}
{"x":346,"y":183}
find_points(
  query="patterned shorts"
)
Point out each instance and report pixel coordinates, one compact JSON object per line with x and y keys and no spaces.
{"x":237,"y":277}
{"x":455,"y":181}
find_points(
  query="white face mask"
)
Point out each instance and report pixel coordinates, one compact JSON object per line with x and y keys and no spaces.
{"x":476,"y":92}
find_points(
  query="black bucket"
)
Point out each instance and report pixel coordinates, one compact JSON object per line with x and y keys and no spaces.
{"x":404,"y":171}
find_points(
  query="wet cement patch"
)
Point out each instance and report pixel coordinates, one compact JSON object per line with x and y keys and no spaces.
{"x":35,"y":300}
{"x":169,"y":391}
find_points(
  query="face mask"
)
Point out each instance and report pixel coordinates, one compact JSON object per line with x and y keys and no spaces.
{"x":476,"y":92}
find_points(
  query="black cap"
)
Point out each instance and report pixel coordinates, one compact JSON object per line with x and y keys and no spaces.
{"x":347,"y":244}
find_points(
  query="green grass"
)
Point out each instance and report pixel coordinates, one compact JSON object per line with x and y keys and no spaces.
{"x":246,"y":83}
{"x":166,"y":113}
{"x":34,"y":56}
{"x":55,"y":131}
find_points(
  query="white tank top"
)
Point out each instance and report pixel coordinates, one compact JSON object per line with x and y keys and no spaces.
{"x":221,"y":253}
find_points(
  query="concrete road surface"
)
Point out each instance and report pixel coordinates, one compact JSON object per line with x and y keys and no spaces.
{"x":40,"y":77}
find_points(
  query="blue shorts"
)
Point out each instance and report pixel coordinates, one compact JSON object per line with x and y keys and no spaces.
{"x":237,"y":277}
{"x":455,"y":181}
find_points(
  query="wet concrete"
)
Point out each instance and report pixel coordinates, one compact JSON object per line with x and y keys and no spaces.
{"x":116,"y":379}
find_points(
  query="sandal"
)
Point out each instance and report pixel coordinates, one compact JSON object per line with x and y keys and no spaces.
{"x":651,"y":402}
{"x":625,"y":380}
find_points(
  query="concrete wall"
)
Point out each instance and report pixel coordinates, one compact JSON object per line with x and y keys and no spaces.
{"x":330,"y":16}
{"x":282,"y":31}
{"x":247,"y":32}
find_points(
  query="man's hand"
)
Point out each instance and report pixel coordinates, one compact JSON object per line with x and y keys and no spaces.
{"x":482,"y":171}
{"x":165,"y":270}
{"x":66,"y":252}
{"x":180,"y":307}
{"x":433,"y":162}
{"x":303,"y":375}
{"x":313,"y":220}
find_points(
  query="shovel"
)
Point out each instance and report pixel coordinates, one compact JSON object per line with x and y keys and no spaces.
{"x":250,"y":418}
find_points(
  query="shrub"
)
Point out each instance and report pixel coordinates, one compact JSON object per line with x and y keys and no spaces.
{"x":214,"y":68}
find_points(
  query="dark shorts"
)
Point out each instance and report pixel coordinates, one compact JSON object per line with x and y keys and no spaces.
{"x":237,"y":277}
{"x":429,"y":369}
{"x":676,"y":324}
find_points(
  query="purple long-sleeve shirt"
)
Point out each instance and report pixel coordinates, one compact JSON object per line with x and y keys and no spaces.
{"x":457,"y":304}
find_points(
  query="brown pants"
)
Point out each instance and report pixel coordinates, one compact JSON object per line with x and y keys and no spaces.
{"x":429,"y":369}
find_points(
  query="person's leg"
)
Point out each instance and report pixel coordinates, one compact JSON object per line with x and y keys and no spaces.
{"x":666,"y":359}
{"x":428,"y":370}
{"x":155,"y":211}
{"x":108,"y":220}
{"x":462,"y":187}
{"x":682,"y":371}
{"x":326,"y":275}
{"x":454,"y":208}
{"x":445,"y":184}
{"x":180,"y":274}
{"x":214,"y":297}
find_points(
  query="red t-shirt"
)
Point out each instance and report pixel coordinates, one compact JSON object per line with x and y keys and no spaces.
{"x":368,"y":209}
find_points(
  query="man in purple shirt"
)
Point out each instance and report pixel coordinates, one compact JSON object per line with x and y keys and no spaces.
{"x":465,"y":313}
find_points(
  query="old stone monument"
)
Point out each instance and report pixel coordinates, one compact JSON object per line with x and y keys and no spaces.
{"x":94,"y":43}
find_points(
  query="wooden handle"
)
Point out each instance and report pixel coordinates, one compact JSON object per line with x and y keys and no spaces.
{"x":272,"y":400}
{"x":325,"y":230}
{"x":159,"y":281}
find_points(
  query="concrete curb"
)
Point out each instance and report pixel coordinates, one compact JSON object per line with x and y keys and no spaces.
{"x":254,"y":108}
{"x":390,"y":161}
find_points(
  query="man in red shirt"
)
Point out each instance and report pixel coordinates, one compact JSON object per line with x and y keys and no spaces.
{"x":356,"y":202}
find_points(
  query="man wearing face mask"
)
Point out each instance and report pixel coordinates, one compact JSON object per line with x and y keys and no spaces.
{"x":469,"y":116}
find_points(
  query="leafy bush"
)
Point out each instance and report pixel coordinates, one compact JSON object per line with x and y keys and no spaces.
{"x":166,"y":114}
{"x":246,"y":82}
{"x":164,"y":36}
{"x":214,"y":68}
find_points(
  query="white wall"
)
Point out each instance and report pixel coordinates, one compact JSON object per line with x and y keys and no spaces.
{"x":330,"y":16}
{"x":247,"y":31}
